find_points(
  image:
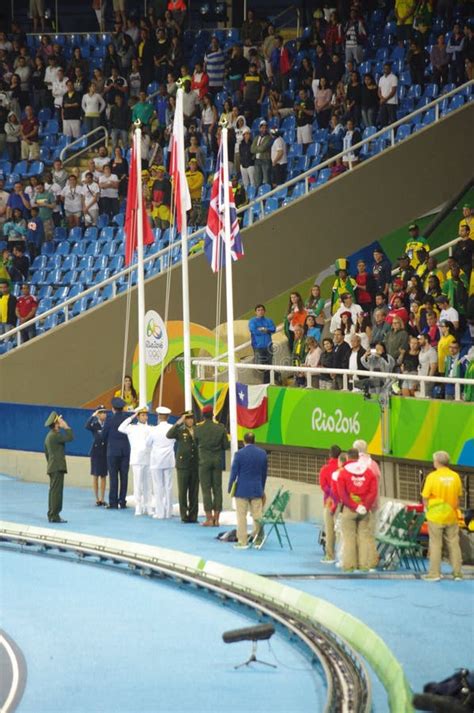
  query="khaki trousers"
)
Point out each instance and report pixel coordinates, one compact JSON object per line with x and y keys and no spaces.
{"x":242,"y":506}
{"x":330,"y":533}
{"x":357,"y":538}
{"x":450,"y":534}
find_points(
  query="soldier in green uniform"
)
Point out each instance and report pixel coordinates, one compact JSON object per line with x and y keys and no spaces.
{"x":59,"y":434}
{"x":186,"y":466}
{"x":212,"y":440}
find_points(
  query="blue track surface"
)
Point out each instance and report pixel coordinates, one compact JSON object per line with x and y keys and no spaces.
{"x":428,"y":626}
{"x":101,"y":641}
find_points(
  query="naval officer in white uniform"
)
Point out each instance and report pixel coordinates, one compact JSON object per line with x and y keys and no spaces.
{"x":162,"y":463}
{"x":138,"y":435}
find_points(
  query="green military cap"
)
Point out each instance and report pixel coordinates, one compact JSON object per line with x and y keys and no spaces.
{"x":52,"y":418}
{"x":188,"y":414}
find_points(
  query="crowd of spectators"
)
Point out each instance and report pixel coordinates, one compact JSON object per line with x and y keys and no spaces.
{"x":419,"y":320}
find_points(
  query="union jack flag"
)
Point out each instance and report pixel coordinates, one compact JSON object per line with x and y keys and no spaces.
{"x":214,"y":246}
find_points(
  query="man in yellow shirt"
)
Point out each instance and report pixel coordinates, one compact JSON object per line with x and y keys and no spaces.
{"x":404,"y":13}
{"x":441,"y":493}
{"x":195,"y":181}
{"x":467,"y":218}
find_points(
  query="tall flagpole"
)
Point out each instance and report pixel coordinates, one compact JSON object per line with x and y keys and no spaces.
{"x":188,"y":402}
{"x":142,"y":392}
{"x":229,"y":296}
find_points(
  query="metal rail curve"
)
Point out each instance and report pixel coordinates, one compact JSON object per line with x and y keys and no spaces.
{"x":348,"y":684}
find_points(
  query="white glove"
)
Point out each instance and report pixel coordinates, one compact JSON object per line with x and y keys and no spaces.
{"x":361,"y":510}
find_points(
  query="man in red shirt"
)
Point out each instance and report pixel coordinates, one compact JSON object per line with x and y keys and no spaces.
{"x":29,"y":136}
{"x":357,"y":491}
{"x":330,"y":502}
{"x":26,"y":307}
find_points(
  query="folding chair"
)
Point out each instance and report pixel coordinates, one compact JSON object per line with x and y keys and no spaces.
{"x":273,"y":516}
{"x":400,"y":545}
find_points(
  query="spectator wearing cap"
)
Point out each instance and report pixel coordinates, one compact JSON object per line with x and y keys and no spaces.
{"x":98,"y":453}
{"x":195,"y":181}
{"x":464,"y":249}
{"x":187,"y":470}
{"x":279,"y":158}
{"x":212,"y":441}
{"x":447,"y":313}
{"x":414,"y":243}
{"x":406,"y":271}
{"x":454,"y":368}
{"x":381,"y":271}
{"x":441,"y":494}
{"x":247,"y":159}
{"x":118,"y":455}
{"x":261,"y":150}
{"x":388,"y":96}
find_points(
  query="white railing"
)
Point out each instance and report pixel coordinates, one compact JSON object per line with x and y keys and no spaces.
{"x":199,"y":234}
{"x":87,"y":147}
{"x":345,"y":373}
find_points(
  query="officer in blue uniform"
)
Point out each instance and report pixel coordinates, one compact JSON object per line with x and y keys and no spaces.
{"x":118,"y":455}
{"x":98,"y":453}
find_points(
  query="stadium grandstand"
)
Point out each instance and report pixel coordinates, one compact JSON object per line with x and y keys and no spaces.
{"x":280,"y":445}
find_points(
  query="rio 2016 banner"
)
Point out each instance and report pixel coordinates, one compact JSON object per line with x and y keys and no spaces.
{"x":319,"y":419}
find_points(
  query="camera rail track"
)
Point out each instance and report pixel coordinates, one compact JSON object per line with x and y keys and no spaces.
{"x":347,"y":681}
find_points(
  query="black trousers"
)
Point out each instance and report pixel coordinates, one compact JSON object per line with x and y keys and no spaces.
{"x":118,"y":470}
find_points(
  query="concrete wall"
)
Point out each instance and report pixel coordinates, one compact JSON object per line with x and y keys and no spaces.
{"x":79,"y":360}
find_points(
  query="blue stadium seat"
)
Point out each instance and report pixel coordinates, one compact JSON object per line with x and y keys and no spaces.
{"x":108,"y":249}
{"x":47,"y":248}
{"x":264,"y":188}
{"x":45,"y":291}
{"x":456,"y":102}
{"x":70,"y":277}
{"x":107,"y":233}
{"x":288,"y":123}
{"x":76,"y":289}
{"x":45,"y":304}
{"x":79,"y":249}
{"x":101,"y":262}
{"x":107,"y":292}
{"x":93,"y":249}
{"x":75,"y":234}
{"x":61,"y":294}
{"x":70,"y":262}
{"x":271,"y":204}
{"x":85,"y":262}
{"x":87,"y":275}
{"x":116,"y":264}
{"x":102,"y":275}
{"x":119,"y":219}
{"x":429,"y":117}
{"x":295,"y":150}
{"x":36,"y":169}
{"x":38,"y":277}
{"x":49,"y":323}
{"x":21,"y":168}
{"x":403,"y":132}
{"x":39,"y":263}
{"x":324,"y":176}
{"x":102,"y":221}
{"x":91,"y":233}
{"x":55,"y":262}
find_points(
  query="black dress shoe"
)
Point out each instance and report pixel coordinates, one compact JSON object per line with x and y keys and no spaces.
{"x":58,"y":520}
{"x":111,"y":507}
{"x":122,"y":506}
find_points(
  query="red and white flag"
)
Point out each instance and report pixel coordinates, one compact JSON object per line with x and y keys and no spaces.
{"x":182,"y":198}
{"x":252,"y":405}
{"x":131,"y":214}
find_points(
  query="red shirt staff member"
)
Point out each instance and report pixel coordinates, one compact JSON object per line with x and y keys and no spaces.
{"x":357,"y":490}
{"x":326,"y":484}
{"x":26,"y":307}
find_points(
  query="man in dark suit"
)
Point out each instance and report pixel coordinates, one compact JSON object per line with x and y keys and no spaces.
{"x":342,"y":352}
{"x":118,"y":455}
{"x":249,"y":473}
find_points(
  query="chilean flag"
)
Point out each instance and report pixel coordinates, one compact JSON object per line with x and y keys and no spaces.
{"x":252,"y":405}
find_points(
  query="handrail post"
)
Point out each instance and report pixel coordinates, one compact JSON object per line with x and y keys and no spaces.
{"x":423,"y":389}
{"x":392,"y":136}
{"x":309,"y":377}
{"x":344,"y":382}
{"x":66,"y":313}
{"x":19,"y":338}
{"x":457,"y":391}
{"x":306,"y":185}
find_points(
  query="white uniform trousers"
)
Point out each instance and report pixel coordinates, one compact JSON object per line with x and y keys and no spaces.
{"x":162,"y":479}
{"x":141,"y":477}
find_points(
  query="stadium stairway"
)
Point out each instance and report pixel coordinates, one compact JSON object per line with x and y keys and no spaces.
{"x":80,"y":357}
